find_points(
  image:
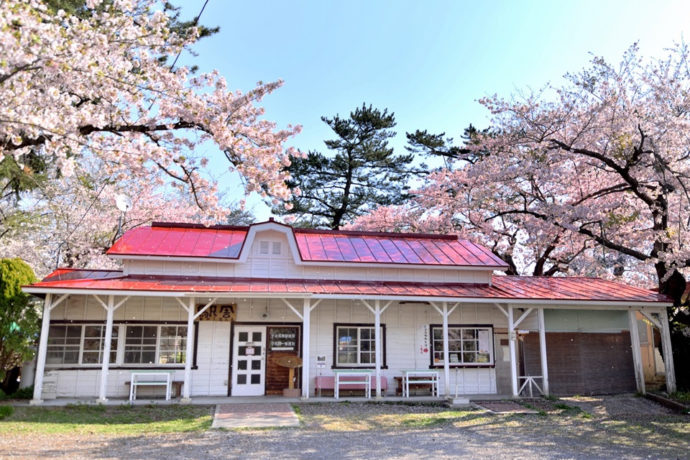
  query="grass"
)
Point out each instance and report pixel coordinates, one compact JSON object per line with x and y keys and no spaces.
{"x":6,"y":411}
{"x":99,"y":419}
{"x":681,"y":396}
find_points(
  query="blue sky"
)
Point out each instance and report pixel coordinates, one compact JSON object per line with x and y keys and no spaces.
{"x":427,"y":61}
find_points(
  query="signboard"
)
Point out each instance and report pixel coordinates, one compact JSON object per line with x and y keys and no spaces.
{"x":321,"y":362}
{"x":282,"y":339}
{"x":218,"y":312}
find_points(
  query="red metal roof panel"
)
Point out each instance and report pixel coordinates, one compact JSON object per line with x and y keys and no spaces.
{"x":189,"y":240}
{"x":180,"y":242}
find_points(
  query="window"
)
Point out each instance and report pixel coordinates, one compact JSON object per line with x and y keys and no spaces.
{"x":151,"y":344}
{"x":355,"y":345}
{"x":64,"y":343}
{"x":467,"y":345}
{"x":78,"y":344}
{"x":132,"y":345}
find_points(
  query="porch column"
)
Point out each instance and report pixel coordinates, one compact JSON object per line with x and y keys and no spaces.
{"x":445,"y":313}
{"x":110,"y":308}
{"x":446,"y":354}
{"x":48,"y":306}
{"x":186,"y":389}
{"x":306,"y":331}
{"x":637,"y":355}
{"x":512,"y":342}
{"x":668,"y":352}
{"x":377,"y":310}
{"x":377,"y":345}
{"x":542,"y":349}
{"x":42,"y":350}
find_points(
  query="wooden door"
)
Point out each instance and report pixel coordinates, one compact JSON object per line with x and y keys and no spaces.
{"x":282,"y":341}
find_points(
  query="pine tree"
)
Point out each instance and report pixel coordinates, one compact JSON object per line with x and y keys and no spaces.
{"x":363,"y":172}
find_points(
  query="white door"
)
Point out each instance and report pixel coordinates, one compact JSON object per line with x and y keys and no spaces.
{"x":249,"y":361}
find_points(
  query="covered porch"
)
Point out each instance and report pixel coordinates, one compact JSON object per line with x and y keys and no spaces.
{"x":409,"y":332}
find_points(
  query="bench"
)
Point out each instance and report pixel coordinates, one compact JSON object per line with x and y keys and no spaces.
{"x":152,"y":378}
{"x":416,"y":389}
{"x":417,"y":377}
{"x":176,"y":387}
{"x":327,"y":382}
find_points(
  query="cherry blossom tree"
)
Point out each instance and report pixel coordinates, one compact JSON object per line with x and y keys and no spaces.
{"x":74,"y":87}
{"x":72,"y":221}
{"x":591,"y":176}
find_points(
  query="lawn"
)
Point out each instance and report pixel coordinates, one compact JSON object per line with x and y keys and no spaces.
{"x":114,"y":420}
{"x":571,"y":427}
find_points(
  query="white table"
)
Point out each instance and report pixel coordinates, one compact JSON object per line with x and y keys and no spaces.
{"x":419,"y":377}
{"x":150,"y":378}
{"x":352,"y":377}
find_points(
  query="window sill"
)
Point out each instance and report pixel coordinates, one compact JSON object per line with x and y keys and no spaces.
{"x":115,"y":368}
{"x":357,"y":367}
{"x":463,"y":366}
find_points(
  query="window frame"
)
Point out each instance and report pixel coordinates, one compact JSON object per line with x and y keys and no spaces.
{"x":119,"y":348}
{"x":492,"y":348}
{"x":359,"y":326}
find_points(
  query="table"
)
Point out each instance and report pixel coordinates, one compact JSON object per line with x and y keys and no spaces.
{"x":352,"y":377}
{"x":419,"y":377}
{"x":150,"y":378}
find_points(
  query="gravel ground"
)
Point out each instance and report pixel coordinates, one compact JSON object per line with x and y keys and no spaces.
{"x":626,"y":427}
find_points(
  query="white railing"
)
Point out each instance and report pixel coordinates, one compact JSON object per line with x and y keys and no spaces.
{"x":530,"y":383}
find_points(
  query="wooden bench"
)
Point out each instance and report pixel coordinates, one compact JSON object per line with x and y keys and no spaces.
{"x":153,"y":378}
{"x":327,"y":382}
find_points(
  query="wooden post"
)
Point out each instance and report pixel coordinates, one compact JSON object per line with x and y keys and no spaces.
{"x":637,"y":355}
{"x":542,"y":349}
{"x":512,"y":341}
{"x":110,"y":310}
{"x":306,"y":330}
{"x":42,"y":351}
{"x":668,"y":352}
{"x":186,"y":389}
{"x":446,"y":354}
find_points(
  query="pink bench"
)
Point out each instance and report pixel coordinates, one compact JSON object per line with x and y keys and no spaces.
{"x":327,"y":382}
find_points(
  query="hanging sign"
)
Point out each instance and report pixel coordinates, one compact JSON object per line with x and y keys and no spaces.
{"x":218,"y":312}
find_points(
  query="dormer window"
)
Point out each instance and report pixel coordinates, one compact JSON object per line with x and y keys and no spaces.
{"x":277,"y":248}
{"x":263,"y":247}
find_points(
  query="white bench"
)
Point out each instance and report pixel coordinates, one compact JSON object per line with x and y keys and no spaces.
{"x":150,"y":378}
{"x":419,"y":377}
{"x":352,"y":377}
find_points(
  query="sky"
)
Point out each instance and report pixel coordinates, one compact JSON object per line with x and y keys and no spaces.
{"x":426,"y":61}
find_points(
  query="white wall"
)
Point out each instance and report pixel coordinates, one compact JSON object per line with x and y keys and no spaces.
{"x":407,"y":334}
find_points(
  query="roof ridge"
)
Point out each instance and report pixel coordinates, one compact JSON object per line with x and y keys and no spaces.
{"x":435,"y":236}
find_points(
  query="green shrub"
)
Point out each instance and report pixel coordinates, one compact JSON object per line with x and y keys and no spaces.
{"x":6,"y":411}
{"x":24,"y":393}
{"x":2,"y":395}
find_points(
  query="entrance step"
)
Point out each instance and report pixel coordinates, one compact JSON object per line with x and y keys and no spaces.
{"x":254,"y":415}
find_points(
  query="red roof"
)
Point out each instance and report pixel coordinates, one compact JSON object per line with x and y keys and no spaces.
{"x":503,"y":288}
{"x":226,"y":242}
{"x":180,"y":241}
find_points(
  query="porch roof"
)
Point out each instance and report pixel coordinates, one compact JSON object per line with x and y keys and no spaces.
{"x":502,"y":288}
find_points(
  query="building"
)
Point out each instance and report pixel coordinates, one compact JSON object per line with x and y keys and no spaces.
{"x":219,"y":306}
